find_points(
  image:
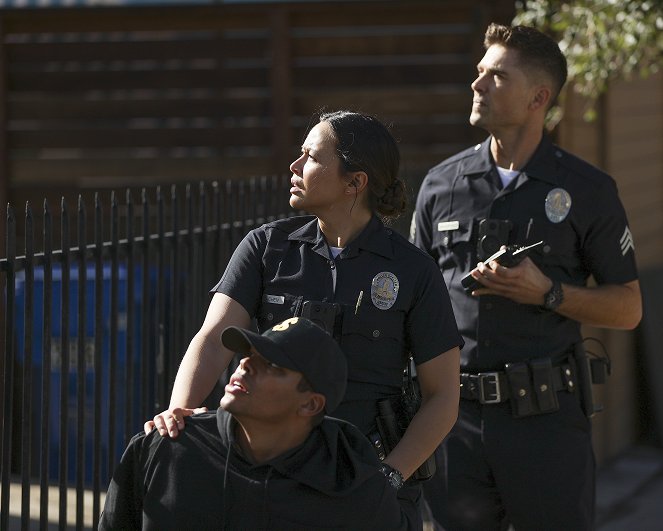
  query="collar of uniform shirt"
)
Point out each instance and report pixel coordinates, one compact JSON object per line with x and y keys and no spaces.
{"x":374,"y":238}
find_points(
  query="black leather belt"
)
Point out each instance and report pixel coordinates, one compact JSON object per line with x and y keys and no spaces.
{"x":493,"y":388}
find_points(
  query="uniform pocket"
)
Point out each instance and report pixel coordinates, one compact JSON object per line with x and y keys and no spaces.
{"x":445,"y":236}
{"x":374,"y":342}
{"x":455,"y":247}
{"x":374,"y":324}
{"x":559,"y":245}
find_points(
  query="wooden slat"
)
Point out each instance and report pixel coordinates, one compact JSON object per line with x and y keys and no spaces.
{"x":119,"y":172}
{"x":419,"y":99}
{"x":172,"y":47}
{"x":121,"y":104}
{"x":128,"y":79}
{"x":370,"y":44}
{"x":433,"y":73}
{"x":136,"y":18}
{"x":98,"y":137}
{"x":332,"y":14}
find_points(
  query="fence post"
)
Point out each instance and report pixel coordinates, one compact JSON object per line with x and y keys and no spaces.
{"x":64,"y":361}
{"x":46,"y":367}
{"x":26,"y":420}
{"x":8,"y":368}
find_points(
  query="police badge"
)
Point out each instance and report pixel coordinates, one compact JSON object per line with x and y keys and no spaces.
{"x":384,"y":290}
{"x":558,"y":205}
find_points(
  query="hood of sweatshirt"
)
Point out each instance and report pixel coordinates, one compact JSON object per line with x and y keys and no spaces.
{"x":333,"y":445}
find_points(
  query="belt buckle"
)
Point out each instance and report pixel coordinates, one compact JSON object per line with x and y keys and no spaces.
{"x":489,"y":378}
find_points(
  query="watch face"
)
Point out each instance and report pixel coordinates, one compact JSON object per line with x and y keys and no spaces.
{"x":396,"y":480}
{"x":553,"y":297}
{"x":393,"y":476}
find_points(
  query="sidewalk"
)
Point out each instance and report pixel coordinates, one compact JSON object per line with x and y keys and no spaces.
{"x":629,"y":491}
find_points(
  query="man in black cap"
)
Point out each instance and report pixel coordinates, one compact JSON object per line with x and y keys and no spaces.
{"x":268,"y":458}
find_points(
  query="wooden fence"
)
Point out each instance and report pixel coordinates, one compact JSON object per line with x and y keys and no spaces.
{"x":94,"y":98}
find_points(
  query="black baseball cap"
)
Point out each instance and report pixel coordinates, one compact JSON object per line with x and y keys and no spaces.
{"x":299,"y":345}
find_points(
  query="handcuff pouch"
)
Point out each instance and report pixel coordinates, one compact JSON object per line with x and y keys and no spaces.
{"x":520,"y":389}
{"x":542,"y":382}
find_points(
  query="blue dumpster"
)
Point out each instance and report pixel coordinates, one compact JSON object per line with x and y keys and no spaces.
{"x":119,"y":398}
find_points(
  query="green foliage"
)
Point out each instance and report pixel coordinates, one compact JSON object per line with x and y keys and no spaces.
{"x":602,"y":39}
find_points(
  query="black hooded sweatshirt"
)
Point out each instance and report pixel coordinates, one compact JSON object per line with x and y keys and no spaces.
{"x":201,"y":480}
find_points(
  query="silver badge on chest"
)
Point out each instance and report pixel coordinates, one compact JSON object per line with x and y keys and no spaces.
{"x":384,"y":290}
{"x":558,"y":205}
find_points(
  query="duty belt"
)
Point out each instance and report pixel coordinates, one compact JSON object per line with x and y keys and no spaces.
{"x":494,"y":387}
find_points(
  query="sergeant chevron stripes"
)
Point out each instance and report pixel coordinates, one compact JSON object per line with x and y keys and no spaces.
{"x":626,"y":241}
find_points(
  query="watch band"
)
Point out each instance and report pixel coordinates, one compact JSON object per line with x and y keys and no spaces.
{"x":554,"y":297}
{"x":394,"y":477}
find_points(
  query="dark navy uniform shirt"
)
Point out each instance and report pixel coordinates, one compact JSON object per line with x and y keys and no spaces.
{"x":583,"y":226}
{"x":393,"y":299}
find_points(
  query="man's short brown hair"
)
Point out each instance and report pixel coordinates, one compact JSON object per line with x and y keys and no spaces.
{"x":536,"y":51}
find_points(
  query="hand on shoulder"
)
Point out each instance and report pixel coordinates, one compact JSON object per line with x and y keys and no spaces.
{"x":170,"y":422}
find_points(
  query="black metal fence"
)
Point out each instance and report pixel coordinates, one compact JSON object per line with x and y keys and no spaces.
{"x":94,"y":331}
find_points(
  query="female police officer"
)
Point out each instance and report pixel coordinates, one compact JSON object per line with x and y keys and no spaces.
{"x":381,"y":298}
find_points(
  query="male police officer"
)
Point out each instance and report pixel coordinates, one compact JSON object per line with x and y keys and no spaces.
{"x":268,"y":458}
{"x":521,"y":450}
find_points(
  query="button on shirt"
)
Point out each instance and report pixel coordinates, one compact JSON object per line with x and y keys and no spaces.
{"x":393,"y":300}
{"x":592,"y":239}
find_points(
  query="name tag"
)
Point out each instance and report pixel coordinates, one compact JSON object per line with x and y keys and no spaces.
{"x":275,"y":299}
{"x":448,"y":225}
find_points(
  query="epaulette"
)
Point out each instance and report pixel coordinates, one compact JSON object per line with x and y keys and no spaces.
{"x":289,"y":224}
{"x":465,"y":154}
{"x":580,"y":167}
{"x":398,"y":239}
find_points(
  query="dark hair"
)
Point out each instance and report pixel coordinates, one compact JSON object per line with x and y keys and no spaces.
{"x":363,"y":143}
{"x":536,"y":50}
{"x":303,"y":386}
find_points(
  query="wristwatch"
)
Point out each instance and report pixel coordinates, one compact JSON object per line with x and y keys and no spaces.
{"x":554,"y":297}
{"x":394,"y":477}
